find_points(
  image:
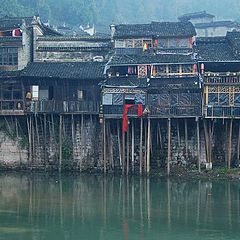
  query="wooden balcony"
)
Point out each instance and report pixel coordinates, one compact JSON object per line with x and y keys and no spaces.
{"x":221,"y":112}
{"x":161,"y":112}
{"x":65,"y":107}
{"x":11,"y":107}
{"x":175,"y":111}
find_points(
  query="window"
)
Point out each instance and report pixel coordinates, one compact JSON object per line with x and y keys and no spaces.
{"x":161,"y":70}
{"x":80,"y":94}
{"x":35,"y":92}
{"x":129,"y":43}
{"x":8,"y":56}
{"x":187,"y":68}
{"x":174,"y":69}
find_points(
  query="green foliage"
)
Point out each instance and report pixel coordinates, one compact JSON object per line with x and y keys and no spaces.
{"x":103,"y":12}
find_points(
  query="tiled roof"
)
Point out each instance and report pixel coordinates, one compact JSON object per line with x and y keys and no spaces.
{"x":130,"y":81}
{"x":189,"y":16}
{"x":9,"y":74}
{"x":73,"y":49}
{"x":217,"y":24}
{"x":234,"y":39}
{"x":161,"y":29}
{"x":86,"y":37}
{"x":9,"y":23}
{"x":71,"y":70}
{"x":215,"y":50}
{"x":148,"y":59}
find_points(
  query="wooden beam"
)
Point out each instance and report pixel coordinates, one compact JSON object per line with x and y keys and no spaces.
{"x":140,"y":149}
{"x":123,"y":152}
{"x":128,"y":151}
{"x":60,"y":143}
{"x":230,"y":144}
{"x":104,"y":147}
{"x":186,"y":137}
{"x":169,"y":146}
{"x":148,"y":145}
{"x":198,"y":145}
{"x":133,"y":143}
{"x":45,"y":140}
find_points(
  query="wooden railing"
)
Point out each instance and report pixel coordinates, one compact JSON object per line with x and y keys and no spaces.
{"x":175,"y":111}
{"x":11,"y":107}
{"x":52,"y":106}
{"x":221,"y":112}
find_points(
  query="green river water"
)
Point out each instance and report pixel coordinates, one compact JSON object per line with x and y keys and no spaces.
{"x":83,"y":207}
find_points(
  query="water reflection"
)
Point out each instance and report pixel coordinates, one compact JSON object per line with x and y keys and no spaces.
{"x":93,"y":207}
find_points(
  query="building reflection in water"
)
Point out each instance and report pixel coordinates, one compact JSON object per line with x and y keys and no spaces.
{"x":94,"y":207}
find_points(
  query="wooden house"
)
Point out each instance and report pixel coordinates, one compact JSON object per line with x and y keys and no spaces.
{"x":72,"y":48}
{"x":154,"y":61}
{"x":220,"y":62}
{"x":17,"y":40}
{"x":62,"y":88}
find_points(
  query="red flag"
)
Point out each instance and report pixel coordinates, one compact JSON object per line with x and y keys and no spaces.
{"x":140,"y":110}
{"x":125,"y":116}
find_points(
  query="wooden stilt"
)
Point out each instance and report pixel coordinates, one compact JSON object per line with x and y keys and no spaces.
{"x":73,"y":134}
{"x":32,"y":137}
{"x":186,"y":137}
{"x":37,"y":151}
{"x":140,"y":149}
{"x":206,"y":139}
{"x":145,"y":147}
{"x":45,"y":140}
{"x":211,"y":132}
{"x":123,"y":152}
{"x":119,"y":144}
{"x":226,"y":143}
{"x":148,"y":145}
{"x":18,"y":144}
{"x":238,"y":145}
{"x":169,"y":146}
{"x":178,"y":134}
{"x":110,"y":144}
{"x":230,"y":144}
{"x":104,"y":147}
{"x":60,"y":143}
{"x":29,"y":140}
{"x":133,"y":143}
{"x":128,"y":151}
{"x":198,"y":145}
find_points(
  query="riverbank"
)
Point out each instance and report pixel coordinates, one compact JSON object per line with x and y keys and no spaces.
{"x":185,"y":173}
{"x":216,"y":173}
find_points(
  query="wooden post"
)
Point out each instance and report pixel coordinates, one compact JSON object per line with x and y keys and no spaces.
{"x":123,"y":152}
{"x":30,"y":141}
{"x":73,"y":135}
{"x":226,"y":143}
{"x":18,"y":144}
{"x":133,"y":143}
{"x":238,"y":146}
{"x":206,"y":139}
{"x":60,"y":143}
{"x":169,"y":146}
{"x":148,"y":145}
{"x":198,"y":145}
{"x":119,"y":144}
{"x":104,"y":147}
{"x":178,"y":134}
{"x":128,"y":152}
{"x":140,"y":149}
{"x":230,"y":144}
{"x":45,"y":141}
{"x":145,"y":147}
{"x":186,"y":137}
